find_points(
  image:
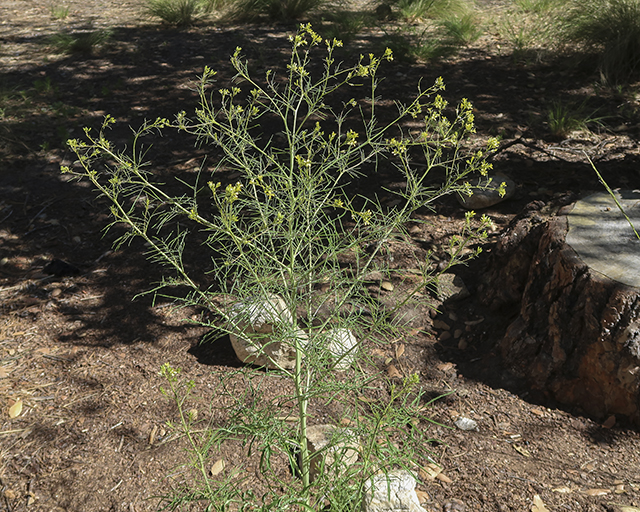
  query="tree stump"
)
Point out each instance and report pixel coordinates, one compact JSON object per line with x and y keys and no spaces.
{"x":574,"y":281}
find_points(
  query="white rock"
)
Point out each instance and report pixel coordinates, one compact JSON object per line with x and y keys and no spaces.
{"x":341,"y":344}
{"x":485,"y":192}
{"x":392,"y":492}
{"x":466,"y":424}
{"x":337,"y":448}
{"x":264,"y":332}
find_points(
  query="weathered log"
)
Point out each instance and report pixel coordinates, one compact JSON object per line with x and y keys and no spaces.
{"x":577,"y":335}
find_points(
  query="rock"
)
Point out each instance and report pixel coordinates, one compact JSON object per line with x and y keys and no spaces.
{"x":331,"y":448}
{"x":341,"y":344}
{"x":485,"y":192}
{"x":392,"y":492}
{"x":466,"y":424}
{"x":264,"y":332}
{"x":450,"y":287}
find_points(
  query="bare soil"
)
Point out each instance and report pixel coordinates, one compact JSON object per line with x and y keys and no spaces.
{"x":82,"y":356}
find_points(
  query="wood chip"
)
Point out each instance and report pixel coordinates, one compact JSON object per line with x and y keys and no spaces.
{"x":538,"y":505}
{"x":597,"y":492}
{"x":521,"y":450}
{"x":445,"y":367}
{"x":152,"y":435}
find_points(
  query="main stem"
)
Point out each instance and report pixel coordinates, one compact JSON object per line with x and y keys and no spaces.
{"x":303,"y":402}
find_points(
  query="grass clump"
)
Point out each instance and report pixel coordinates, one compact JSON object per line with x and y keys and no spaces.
{"x":290,"y":229}
{"x":252,"y":10}
{"x":59,"y":12}
{"x":564,"y":118}
{"x":611,"y":29}
{"x":461,"y":30}
{"x":181,"y":13}
{"x":82,"y":43}
{"x":533,"y":27}
{"x":413,"y":10}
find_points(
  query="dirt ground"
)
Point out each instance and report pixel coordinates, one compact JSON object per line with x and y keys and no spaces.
{"x":82,"y":357}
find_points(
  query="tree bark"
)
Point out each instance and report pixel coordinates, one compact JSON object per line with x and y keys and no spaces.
{"x":576,"y":336}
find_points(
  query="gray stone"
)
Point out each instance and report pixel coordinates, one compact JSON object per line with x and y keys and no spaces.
{"x":451,"y":288}
{"x":394,"y":491}
{"x":485,"y":192}
{"x":332,"y":448}
{"x":263,"y":332}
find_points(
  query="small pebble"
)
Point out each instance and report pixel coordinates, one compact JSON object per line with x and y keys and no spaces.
{"x":439,"y":324}
{"x":466,"y":424}
{"x":445,"y":336}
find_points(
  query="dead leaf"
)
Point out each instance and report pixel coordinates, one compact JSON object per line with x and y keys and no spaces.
{"x":443,"y":478}
{"x":611,"y":421}
{"x":429,"y":472}
{"x":445,"y":367}
{"x":423,"y":497}
{"x":521,"y":450}
{"x":393,"y":372}
{"x":597,"y":492}
{"x":378,"y":353}
{"x":15,"y":409}
{"x":538,"y":505}
{"x":217,"y":467}
{"x":3,"y":373}
{"x":399,"y":350}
